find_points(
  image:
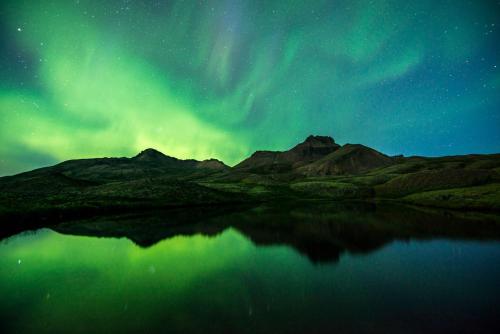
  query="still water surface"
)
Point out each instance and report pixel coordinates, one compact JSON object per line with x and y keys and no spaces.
{"x":288,"y":269}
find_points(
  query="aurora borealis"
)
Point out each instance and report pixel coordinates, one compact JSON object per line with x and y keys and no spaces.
{"x":200,"y":79}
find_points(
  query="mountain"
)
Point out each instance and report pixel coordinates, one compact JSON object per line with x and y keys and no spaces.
{"x":212,"y":164}
{"x":149,"y":179}
{"x":312,"y":149}
{"x":317,"y":168}
{"x":349,"y":159}
{"x":148,"y":163}
{"x":316,"y":156}
{"x":152,"y":155}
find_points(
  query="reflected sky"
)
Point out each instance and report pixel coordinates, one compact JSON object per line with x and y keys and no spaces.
{"x":52,"y":282}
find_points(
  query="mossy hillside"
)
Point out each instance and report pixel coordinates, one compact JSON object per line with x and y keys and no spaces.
{"x":486,"y":197}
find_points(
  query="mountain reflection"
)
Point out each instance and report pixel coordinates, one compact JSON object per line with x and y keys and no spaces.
{"x":318,"y":230}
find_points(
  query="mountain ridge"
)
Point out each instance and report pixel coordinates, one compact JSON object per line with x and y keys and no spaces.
{"x":316,"y":168}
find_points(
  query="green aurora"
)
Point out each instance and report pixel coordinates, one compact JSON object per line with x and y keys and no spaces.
{"x":221,"y":79}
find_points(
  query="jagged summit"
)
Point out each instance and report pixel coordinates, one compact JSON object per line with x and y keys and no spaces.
{"x":312,"y":148}
{"x":325,"y":140}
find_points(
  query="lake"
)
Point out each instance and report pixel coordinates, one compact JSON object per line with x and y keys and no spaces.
{"x":294,"y":267}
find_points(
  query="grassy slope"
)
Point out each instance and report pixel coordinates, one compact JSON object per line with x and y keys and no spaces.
{"x":486,"y":197}
{"x":44,"y":192}
{"x":467,"y":182}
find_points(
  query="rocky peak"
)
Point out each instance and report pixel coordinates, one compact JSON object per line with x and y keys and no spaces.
{"x":314,"y":147}
{"x":320,"y":141}
{"x":150,"y":154}
{"x":212,"y":164}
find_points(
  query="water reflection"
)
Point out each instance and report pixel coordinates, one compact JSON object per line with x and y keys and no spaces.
{"x":320,"y":231}
{"x":251,"y":270}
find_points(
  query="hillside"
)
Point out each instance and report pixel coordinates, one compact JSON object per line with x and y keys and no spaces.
{"x":317,"y":168}
{"x":312,"y":149}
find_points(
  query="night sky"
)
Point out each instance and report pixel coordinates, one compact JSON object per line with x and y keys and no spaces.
{"x":200,"y":79}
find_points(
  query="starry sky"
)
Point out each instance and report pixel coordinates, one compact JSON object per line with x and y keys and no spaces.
{"x":221,"y":79}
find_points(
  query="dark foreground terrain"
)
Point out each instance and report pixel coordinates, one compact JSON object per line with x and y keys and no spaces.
{"x":317,"y":168}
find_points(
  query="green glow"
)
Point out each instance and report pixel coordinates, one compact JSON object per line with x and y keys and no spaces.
{"x":222,"y":79}
{"x":108,"y":101}
{"x":58,"y":283}
{"x":122,"y":278}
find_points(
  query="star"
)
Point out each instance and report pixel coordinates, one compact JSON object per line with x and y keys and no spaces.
{"x":19,"y":29}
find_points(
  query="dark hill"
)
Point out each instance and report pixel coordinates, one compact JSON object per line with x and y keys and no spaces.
{"x":316,"y":168}
{"x":153,"y":156}
{"x":148,"y":163}
{"x":349,"y":159}
{"x":312,"y":149}
{"x":150,"y":179}
{"x":317,"y":156}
